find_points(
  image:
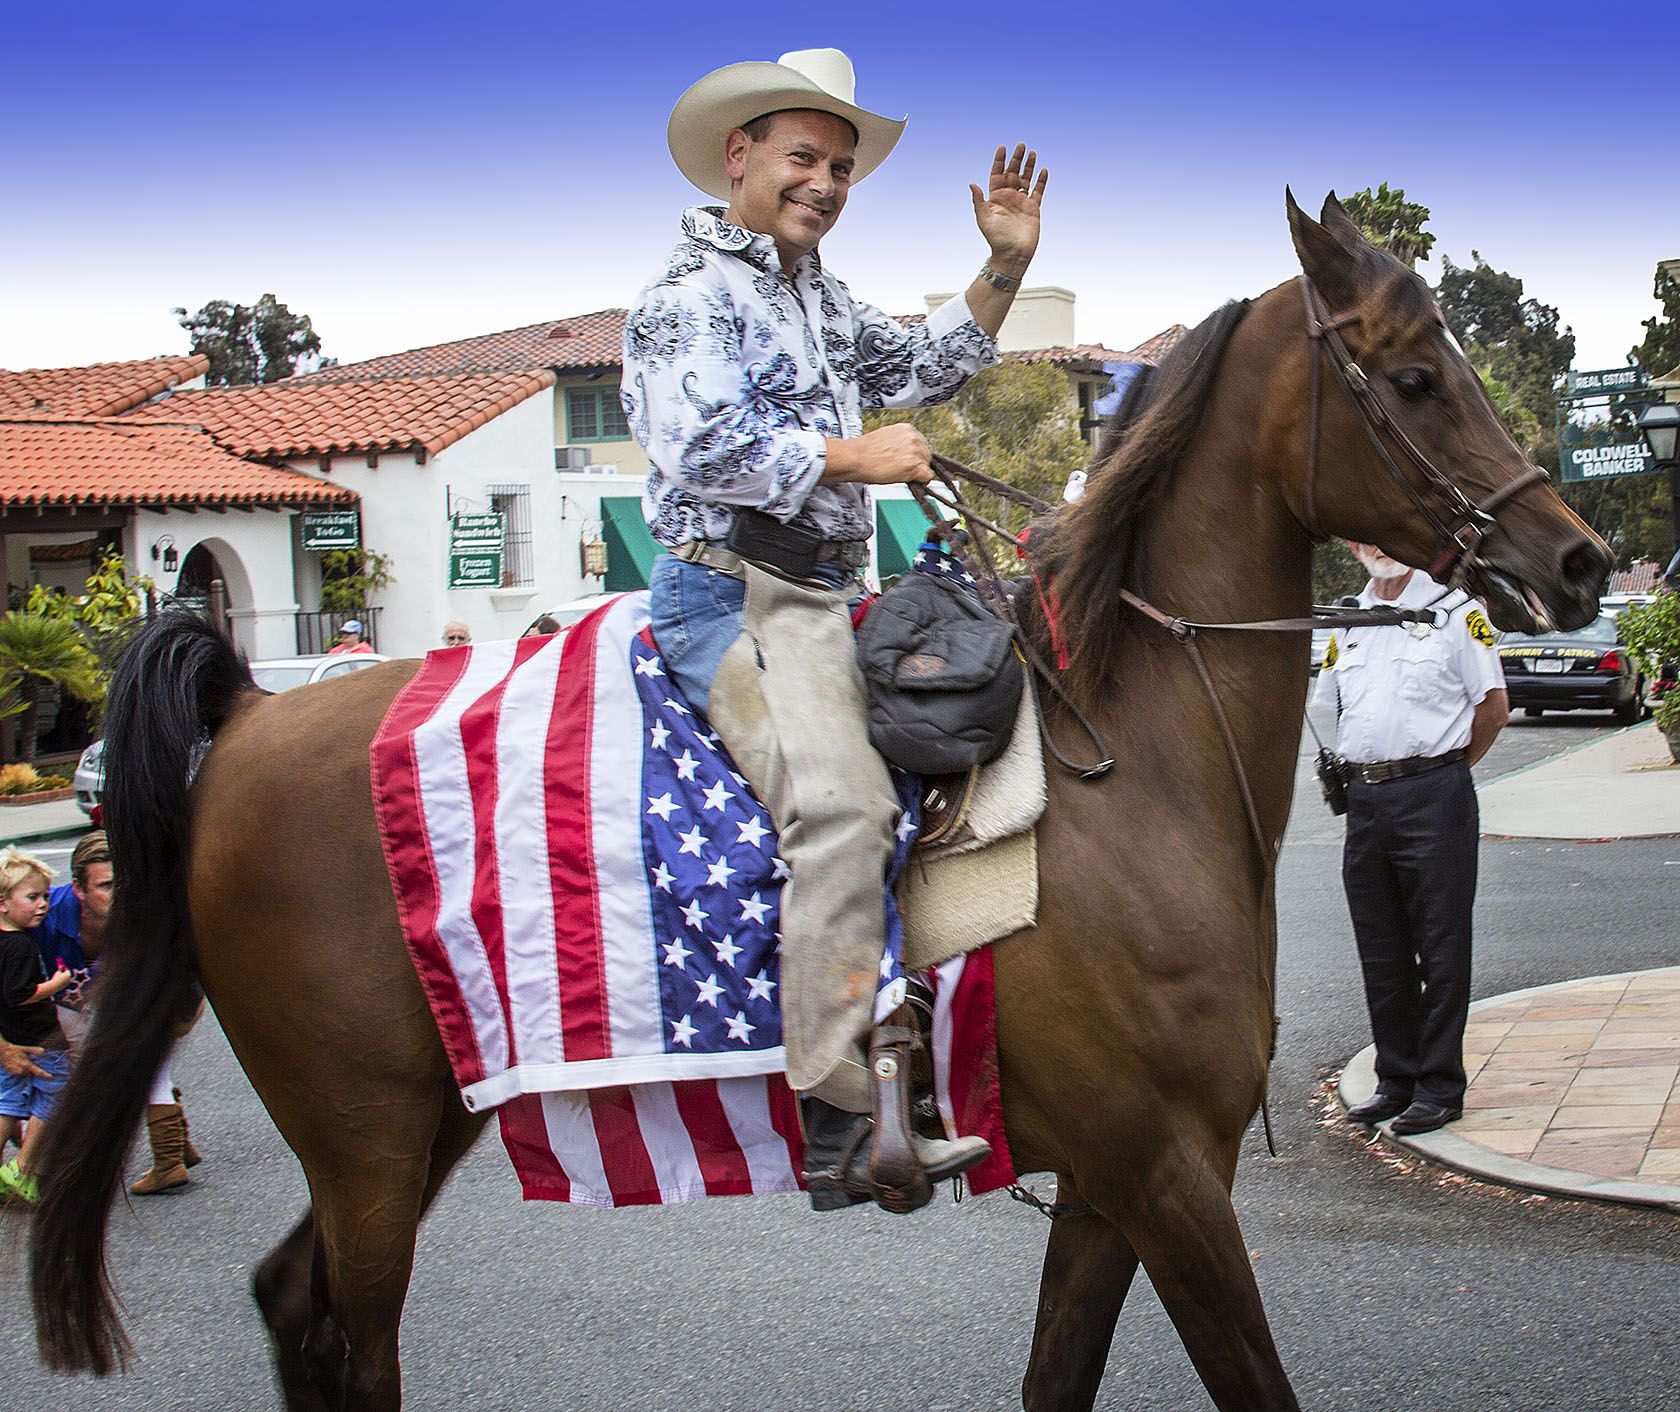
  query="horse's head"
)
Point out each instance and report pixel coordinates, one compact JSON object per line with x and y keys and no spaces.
{"x":1411,"y":455}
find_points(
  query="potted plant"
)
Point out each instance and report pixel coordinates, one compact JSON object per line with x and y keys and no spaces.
{"x":1651,"y":632}
{"x":39,"y":654}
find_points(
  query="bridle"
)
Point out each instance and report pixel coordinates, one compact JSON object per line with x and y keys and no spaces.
{"x":1459,"y":524}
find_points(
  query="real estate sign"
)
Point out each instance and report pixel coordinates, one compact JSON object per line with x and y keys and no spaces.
{"x":475,"y":550}
{"x":332,"y":529}
{"x":1602,"y":380}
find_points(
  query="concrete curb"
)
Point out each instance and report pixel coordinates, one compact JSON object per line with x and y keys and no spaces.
{"x":1358,"y":1081}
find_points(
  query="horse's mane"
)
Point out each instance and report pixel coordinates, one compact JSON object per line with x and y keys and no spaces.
{"x":1090,"y":548}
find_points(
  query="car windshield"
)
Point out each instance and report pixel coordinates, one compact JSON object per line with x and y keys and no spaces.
{"x":281,"y":677}
{"x":1601,"y":630}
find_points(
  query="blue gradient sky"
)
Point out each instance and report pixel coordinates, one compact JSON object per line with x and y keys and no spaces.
{"x":410,"y":173}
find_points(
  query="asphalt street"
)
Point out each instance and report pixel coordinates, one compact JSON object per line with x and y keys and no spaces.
{"x":1391,"y":1284}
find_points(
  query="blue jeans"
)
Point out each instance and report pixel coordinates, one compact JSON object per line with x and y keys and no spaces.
{"x":25,"y":1096}
{"x":695,"y":614}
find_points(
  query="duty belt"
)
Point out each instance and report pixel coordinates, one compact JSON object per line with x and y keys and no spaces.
{"x":1381,"y":771}
{"x":848,"y":553}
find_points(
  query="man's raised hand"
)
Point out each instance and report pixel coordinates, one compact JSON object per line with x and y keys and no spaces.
{"x":1007,"y":212}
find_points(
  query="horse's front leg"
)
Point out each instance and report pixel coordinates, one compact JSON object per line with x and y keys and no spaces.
{"x":1178,"y":1217}
{"x":1088,"y":1267}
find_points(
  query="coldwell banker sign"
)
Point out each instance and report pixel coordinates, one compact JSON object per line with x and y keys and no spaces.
{"x":475,"y":551}
{"x":1623,"y":458}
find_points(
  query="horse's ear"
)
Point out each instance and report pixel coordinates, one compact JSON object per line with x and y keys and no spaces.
{"x":1324,"y":259}
{"x":1341,"y":225}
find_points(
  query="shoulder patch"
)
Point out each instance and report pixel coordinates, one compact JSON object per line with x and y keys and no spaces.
{"x":1330,"y":653}
{"x":1479,"y":627}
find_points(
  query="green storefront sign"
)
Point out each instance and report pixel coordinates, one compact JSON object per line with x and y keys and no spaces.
{"x":475,"y":550}
{"x":332,"y":529}
{"x":1616,"y":458}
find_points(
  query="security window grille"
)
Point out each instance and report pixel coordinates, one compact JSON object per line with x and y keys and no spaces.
{"x":594,"y":414}
{"x":513,"y":504}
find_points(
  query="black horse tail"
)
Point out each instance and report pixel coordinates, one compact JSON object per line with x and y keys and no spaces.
{"x":175,"y":684}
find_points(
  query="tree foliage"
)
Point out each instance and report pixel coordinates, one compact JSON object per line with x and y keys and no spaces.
{"x":1514,"y":341}
{"x":1659,"y":353}
{"x":249,"y":344}
{"x":1336,"y":573}
{"x":38,"y":653}
{"x":350,"y":578}
{"x":1392,"y":222}
{"x":1017,"y":421}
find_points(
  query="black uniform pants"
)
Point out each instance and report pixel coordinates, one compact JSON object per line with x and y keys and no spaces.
{"x":1409,"y":867}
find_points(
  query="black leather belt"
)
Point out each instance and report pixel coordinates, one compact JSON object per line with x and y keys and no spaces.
{"x":848,"y":553}
{"x":1381,"y":771}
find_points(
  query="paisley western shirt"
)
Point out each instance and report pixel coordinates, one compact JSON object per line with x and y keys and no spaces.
{"x":736,"y":370}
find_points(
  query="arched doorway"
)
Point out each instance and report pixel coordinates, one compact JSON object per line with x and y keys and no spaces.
{"x":212,"y":559}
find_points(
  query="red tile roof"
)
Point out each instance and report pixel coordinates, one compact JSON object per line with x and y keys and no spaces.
{"x":1640,"y":577}
{"x":304,"y":418}
{"x":132,"y":463}
{"x":97,"y":390}
{"x":1089,"y":357}
{"x":582,"y":342}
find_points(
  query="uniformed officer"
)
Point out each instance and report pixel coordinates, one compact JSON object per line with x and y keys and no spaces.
{"x":1416,"y":707}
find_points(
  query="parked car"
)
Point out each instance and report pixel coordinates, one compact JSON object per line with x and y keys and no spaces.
{"x":1584,"y":670}
{"x":271,"y":674}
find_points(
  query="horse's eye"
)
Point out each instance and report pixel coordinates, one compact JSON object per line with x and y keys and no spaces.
{"x":1414,"y":384}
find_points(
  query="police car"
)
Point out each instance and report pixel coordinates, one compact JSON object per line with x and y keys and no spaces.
{"x":1584,"y":670}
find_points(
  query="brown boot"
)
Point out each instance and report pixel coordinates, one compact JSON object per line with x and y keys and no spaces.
{"x":168,"y":1134}
{"x":190,"y":1156}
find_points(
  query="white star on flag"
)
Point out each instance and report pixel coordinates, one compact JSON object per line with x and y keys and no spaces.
{"x":649,"y":667}
{"x":739,"y":779}
{"x":719,"y":873}
{"x":886,"y":965}
{"x":675,"y":952}
{"x":682,"y":1032}
{"x":662,"y":876}
{"x":752,"y":831}
{"x":694,"y":915}
{"x":717,"y":796}
{"x":726,"y":950}
{"x":906,"y":827}
{"x":739,"y":1028}
{"x":663,"y":805}
{"x":676,"y":706}
{"x":659,"y":734}
{"x":710,"y":741}
{"x":686,"y":765}
{"x":693,"y":841}
{"x":921,"y":556}
{"x":752,"y":910}
{"x":759,"y":986}
{"x":710,"y":990}
{"x":779,"y":870}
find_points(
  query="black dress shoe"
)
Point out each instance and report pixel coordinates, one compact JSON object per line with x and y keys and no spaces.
{"x":1423,"y":1117}
{"x":1378,"y":1109}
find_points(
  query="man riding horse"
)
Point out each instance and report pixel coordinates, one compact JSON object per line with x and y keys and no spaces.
{"x":747,"y":366}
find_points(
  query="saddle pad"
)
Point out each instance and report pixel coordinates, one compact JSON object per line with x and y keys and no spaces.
{"x":590,"y":894}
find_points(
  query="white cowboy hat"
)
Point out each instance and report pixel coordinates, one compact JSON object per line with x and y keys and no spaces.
{"x":726,"y":98}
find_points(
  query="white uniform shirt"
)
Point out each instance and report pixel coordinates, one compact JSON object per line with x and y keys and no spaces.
{"x":1406,"y":692}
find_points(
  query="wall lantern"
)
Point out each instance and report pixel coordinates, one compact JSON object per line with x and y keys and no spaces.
{"x":1659,"y":424}
{"x":166,"y":544}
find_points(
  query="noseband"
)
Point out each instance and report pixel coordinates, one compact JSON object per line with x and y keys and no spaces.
{"x":1459,"y":524}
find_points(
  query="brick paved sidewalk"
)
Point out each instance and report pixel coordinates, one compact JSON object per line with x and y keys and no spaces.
{"x":1581,"y":1077}
{"x":1574,"y":1089}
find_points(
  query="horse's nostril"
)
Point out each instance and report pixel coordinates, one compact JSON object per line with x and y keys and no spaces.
{"x":1587,"y":564}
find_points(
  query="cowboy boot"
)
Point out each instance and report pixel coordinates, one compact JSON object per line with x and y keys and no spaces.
{"x":856,"y":1157}
{"x":190,"y":1154}
{"x":168,"y":1136}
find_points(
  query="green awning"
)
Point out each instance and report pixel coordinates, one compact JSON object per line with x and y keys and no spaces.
{"x":630,"y":548}
{"x":900,"y":528}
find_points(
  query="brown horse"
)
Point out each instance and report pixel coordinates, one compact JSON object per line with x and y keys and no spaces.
{"x":1135,"y":1020}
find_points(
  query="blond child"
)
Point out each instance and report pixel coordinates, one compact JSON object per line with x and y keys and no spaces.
{"x":27,"y":1015}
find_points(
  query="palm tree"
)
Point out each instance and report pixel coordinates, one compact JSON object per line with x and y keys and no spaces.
{"x":38,"y":653}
